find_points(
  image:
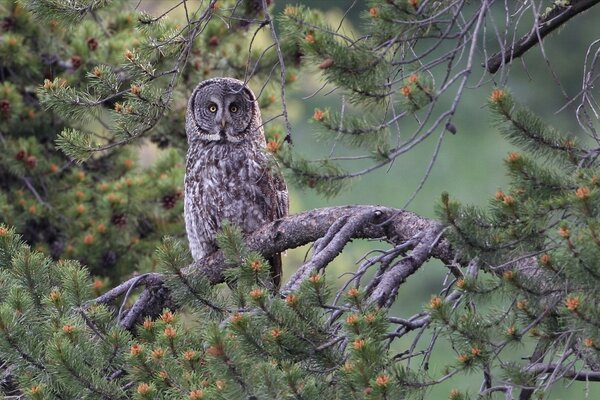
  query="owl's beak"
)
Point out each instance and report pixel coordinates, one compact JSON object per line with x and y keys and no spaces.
{"x":223,"y":123}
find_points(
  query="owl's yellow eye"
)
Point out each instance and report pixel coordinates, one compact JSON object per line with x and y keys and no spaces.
{"x":212,"y":108}
{"x":233,"y":108}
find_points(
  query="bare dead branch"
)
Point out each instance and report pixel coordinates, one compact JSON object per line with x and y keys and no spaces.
{"x":546,"y":25}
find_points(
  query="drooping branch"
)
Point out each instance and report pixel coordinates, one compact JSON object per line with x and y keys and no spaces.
{"x":546,"y":25}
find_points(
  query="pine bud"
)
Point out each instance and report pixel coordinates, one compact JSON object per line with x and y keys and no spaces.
{"x":101,"y":229}
{"x":564,"y":232}
{"x":572,"y":303}
{"x":167,"y":317}
{"x":374,"y":12}
{"x":255,"y":265}
{"x":97,"y":72}
{"x":143,"y":388}
{"x":48,"y":84}
{"x":289,"y":11}
{"x":88,"y":239}
{"x":196,"y":394}
{"x":136,"y":90}
{"x":382,"y":380}
{"x":135,"y":349}
{"x":353,"y":292}
{"x":257,"y":293}
{"x":31,"y":161}
{"x":318,"y":115}
{"x":513,"y":156}
{"x":129,"y":55}
{"x":55,"y":295}
{"x":170,"y":332}
{"x":435,"y":303}
{"x":328,"y":62}
{"x":68,"y":329}
{"x":582,"y":193}
{"x":406,"y":91}
{"x":509,"y":200}
{"x":97,"y":284}
{"x":272,"y":146}
{"x":291,"y":299}
{"x":545,"y":260}
{"x":522,"y":305}
{"x":213,"y":41}
{"x":310,"y":37}
{"x":358,"y":344}
{"x":497,"y":95}
{"x":291,"y":78}
{"x":315,"y":279}
{"x":189,"y":355}
{"x":148,"y":324}
{"x":158,"y":353}
{"x":276,"y":333}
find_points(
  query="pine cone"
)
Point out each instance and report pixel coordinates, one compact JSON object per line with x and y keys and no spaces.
{"x":8,"y":23}
{"x":119,"y":219}
{"x":76,"y":61}
{"x":169,"y":201}
{"x":4,"y":107}
{"x":145,"y":227}
{"x":109,"y":259}
{"x":21,"y":154}
{"x":92,"y":43}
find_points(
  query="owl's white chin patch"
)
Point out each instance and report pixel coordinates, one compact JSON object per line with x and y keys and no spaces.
{"x":213,"y":137}
{"x":234,"y":139}
{"x":217,"y":137}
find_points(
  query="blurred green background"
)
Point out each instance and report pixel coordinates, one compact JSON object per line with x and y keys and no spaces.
{"x":470,"y":166}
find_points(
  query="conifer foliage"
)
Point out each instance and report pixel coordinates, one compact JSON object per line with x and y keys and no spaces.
{"x":77,"y":210}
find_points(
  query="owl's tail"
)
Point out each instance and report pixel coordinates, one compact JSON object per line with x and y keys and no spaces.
{"x":276,"y":270}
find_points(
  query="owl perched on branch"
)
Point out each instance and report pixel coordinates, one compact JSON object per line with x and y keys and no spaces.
{"x":228,"y":173}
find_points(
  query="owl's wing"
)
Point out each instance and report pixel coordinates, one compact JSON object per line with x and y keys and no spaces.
{"x":282,"y":202}
{"x":273,"y":186}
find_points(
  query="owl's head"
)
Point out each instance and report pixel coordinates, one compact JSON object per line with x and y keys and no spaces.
{"x":222,"y":110}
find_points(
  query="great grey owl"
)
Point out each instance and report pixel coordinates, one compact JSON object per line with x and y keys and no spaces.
{"x":228,"y":172}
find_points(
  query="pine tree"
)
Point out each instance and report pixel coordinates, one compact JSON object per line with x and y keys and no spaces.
{"x":99,"y":297}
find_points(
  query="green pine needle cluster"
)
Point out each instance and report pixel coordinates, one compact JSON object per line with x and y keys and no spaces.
{"x":539,"y":241}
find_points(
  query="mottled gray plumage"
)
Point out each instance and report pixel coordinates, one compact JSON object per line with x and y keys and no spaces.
{"x":228,"y":173}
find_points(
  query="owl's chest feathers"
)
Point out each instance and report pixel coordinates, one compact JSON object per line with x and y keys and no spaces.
{"x":222,"y":168}
{"x":224,"y":182}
